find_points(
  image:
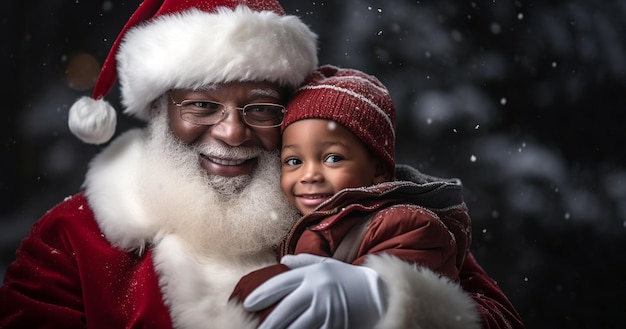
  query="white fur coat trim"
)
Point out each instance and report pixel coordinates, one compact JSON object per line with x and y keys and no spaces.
{"x":111,"y":188}
{"x":196,"y":290}
{"x":420,"y":298}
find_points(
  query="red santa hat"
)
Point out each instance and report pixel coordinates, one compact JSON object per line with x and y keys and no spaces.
{"x":170,"y":44}
{"x":354,"y":99}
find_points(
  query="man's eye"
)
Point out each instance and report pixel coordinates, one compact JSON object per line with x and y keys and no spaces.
{"x":206,"y":105}
{"x":256,"y":109}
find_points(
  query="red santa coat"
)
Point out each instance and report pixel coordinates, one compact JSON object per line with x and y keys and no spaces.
{"x":97,"y":262}
{"x":68,"y":276}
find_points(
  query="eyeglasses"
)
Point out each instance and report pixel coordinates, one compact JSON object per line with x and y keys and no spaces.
{"x":202,"y":112}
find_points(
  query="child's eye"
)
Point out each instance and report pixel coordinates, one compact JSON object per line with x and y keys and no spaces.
{"x":292,"y":161}
{"x":334,"y":158}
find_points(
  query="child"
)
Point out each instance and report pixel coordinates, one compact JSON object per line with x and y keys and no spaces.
{"x":338,"y":170}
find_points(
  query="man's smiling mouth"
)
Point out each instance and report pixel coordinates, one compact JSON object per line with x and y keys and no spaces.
{"x":225,"y":162}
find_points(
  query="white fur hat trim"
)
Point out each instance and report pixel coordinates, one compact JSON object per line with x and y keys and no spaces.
{"x":193,"y":48}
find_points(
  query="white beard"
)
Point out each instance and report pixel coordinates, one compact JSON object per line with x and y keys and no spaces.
{"x":217,"y":216}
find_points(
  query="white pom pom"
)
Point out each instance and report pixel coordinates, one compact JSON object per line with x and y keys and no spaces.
{"x":92,"y":121}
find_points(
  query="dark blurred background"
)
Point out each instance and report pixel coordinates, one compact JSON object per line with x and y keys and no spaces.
{"x":522,"y":100}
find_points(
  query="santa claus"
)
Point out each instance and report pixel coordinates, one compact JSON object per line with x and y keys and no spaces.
{"x":173,"y":214}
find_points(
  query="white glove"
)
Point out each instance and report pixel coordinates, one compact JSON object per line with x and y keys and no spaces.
{"x":321,"y":292}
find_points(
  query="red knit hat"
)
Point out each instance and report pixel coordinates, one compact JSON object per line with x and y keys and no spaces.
{"x":170,"y":44}
{"x":356,"y":100}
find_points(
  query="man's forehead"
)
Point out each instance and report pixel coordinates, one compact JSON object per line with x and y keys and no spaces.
{"x":269,"y":90}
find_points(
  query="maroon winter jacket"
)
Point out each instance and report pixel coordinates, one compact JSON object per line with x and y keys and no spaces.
{"x":423,"y":223}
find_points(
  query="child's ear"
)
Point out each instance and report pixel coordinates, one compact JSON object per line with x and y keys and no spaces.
{"x":381,"y":174}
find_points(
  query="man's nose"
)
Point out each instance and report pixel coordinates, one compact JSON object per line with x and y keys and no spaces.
{"x":232,"y":130}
